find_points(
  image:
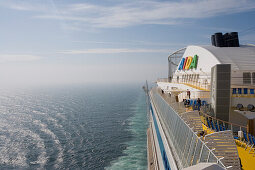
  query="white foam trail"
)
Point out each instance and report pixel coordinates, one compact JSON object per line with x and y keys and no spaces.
{"x":13,"y":149}
{"x":135,"y":154}
{"x":44,"y":128}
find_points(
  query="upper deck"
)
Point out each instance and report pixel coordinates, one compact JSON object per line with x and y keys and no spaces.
{"x":218,"y":83}
{"x":222,"y":142}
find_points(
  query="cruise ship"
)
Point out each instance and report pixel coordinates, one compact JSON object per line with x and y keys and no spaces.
{"x":202,"y":116}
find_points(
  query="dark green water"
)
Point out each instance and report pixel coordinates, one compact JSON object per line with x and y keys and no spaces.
{"x":92,"y":127}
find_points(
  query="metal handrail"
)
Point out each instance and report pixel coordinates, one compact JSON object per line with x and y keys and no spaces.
{"x":172,"y":64}
{"x":176,"y":52}
{"x":191,"y":133}
{"x":241,"y":126}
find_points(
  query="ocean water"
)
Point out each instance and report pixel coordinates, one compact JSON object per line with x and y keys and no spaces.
{"x":91,"y":127}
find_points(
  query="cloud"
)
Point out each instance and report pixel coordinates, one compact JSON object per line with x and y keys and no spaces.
{"x":17,"y":58}
{"x":26,"y":6}
{"x":134,"y":12}
{"x":136,"y":43}
{"x":112,"y":51}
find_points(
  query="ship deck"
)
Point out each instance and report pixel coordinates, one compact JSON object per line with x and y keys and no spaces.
{"x":245,"y":152}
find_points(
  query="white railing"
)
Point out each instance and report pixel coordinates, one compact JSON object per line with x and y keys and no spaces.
{"x":189,"y":148}
{"x":163,"y":80}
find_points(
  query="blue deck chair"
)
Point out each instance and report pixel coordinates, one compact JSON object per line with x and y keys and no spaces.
{"x":191,"y":102}
{"x":208,"y":123}
{"x":195,"y":102}
{"x":253,"y":139}
{"x":250,"y":142}
{"x":203,"y":103}
{"x":187,"y":102}
{"x":245,"y":138}
{"x":212,"y":125}
{"x":253,"y":143}
{"x":221,"y":129}
{"x":216,"y":126}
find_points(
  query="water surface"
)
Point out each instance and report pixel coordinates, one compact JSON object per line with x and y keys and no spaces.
{"x":92,"y":127}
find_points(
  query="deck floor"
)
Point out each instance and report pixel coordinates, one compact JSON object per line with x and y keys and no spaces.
{"x":247,"y":159}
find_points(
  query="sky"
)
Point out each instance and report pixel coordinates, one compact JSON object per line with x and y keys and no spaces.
{"x":59,"y":42}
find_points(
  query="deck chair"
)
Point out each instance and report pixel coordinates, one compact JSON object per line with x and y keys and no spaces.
{"x":253,"y":139}
{"x":249,"y":142}
{"x":245,"y":138}
{"x":191,"y":102}
{"x":221,"y":129}
{"x":253,"y":143}
{"x":216,"y":126}
{"x":212,"y":124}
{"x":208,"y":122}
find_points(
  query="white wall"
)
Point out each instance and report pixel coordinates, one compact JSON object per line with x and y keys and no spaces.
{"x":242,"y":100}
{"x":206,"y":60}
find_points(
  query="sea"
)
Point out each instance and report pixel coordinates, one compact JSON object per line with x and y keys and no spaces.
{"x":73,"y":127}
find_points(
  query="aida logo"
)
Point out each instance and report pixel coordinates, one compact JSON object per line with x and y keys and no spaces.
{"x":188,"y":63}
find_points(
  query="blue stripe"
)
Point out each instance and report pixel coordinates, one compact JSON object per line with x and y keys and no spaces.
{"x":161,"y":145}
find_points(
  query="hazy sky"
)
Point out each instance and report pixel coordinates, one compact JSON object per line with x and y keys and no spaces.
{"x":75,"y":41}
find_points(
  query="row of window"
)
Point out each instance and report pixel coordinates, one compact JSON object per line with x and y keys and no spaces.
{"x":248,"y":78}
{"x":190,"y":77}
{"x":242,"y":91}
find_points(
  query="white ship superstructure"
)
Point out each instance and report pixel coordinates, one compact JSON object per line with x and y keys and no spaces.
{"x":203,"y":114}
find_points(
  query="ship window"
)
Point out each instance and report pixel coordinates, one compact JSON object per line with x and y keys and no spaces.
{"x":253,"y":77}
{"x":239,"y":91}
{"x":251,"y":91}
{"x":234,"y":91}
{"x":246,"y":78}
{"x":245,"y":91}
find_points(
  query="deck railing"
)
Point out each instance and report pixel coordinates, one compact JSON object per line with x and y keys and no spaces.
{"x":218,"y":123}
{"x":166,"y":80}
{"x":188,"y":148}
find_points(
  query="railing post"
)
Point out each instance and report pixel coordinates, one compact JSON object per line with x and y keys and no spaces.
{"x":193,"y":154}
{"x":184,"y":150}
{"x":210,"y":152}
{"x":219,"y":160}
{"x":201,"y":152}
{"x":187,"y":163}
